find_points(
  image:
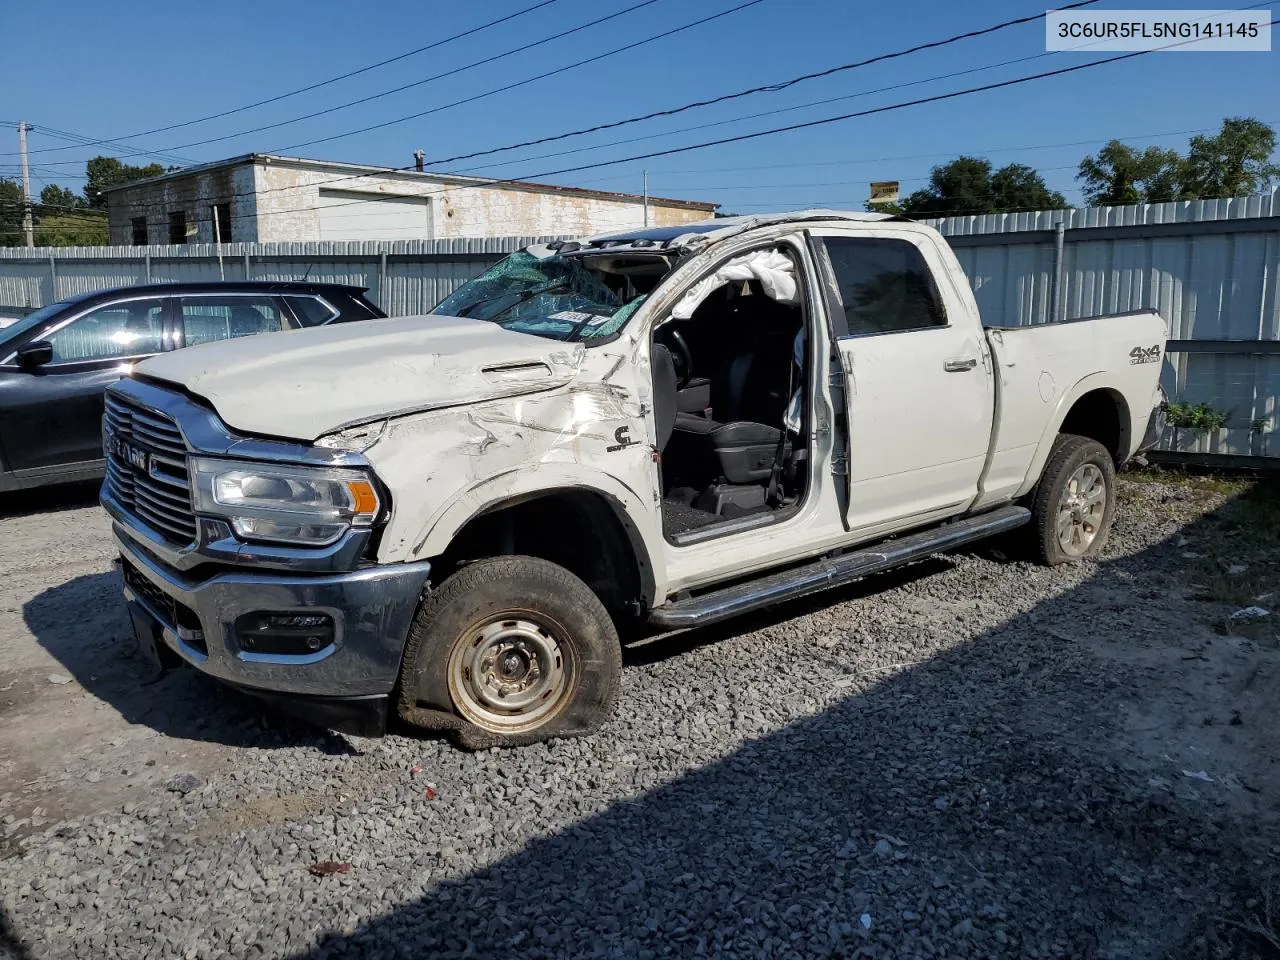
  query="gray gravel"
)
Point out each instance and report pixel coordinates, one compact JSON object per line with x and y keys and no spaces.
{"x":973,"y":758}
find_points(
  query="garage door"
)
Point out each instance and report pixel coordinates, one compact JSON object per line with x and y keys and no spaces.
{"x":348,"y":215}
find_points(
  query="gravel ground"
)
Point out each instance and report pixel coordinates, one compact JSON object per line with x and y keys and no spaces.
{"x":972,"y":758}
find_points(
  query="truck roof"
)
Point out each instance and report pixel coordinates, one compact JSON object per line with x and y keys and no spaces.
{"x":710,"y":231}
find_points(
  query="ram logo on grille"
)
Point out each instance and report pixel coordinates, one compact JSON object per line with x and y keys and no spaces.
{"x":147,"y":469}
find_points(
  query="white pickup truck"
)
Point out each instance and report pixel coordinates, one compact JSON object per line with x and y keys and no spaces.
{"x":452,"y":517}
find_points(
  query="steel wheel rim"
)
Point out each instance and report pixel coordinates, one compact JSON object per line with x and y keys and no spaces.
{"x":1081,"y":509}
{"x":511,"y":673}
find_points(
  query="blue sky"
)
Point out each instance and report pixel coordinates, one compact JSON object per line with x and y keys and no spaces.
{"x":112,"y":70}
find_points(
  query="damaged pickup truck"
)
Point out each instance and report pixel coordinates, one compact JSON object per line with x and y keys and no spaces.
{"x":453,"y":517}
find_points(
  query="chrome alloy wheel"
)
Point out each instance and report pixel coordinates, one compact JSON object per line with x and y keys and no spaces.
{"x":511,"y":673}
{"x":1081,"y":509}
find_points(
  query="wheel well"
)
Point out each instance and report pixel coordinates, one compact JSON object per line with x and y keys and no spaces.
{"x":577,"y":529}
{"x":1099,"y":415}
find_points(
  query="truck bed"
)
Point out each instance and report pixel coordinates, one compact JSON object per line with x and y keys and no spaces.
{"x":1048,"y":367}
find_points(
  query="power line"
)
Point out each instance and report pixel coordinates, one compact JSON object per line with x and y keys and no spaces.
{"x":322,"y":83}
{"x":417,"y":83}
{"x":768,"y":88}
{"x":630,"y":46}
{"x":758,"y":134}
{"x":755,"y":116}
{"x":520,"y":83}
{"x":861,"y":113}
{"x":79,"y":141}
{"x":790,"y":127}
{"x":926,"y":156}
{"x":765,"y":113}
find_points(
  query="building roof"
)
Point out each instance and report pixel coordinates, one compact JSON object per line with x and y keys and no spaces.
{"x":356,"y":170}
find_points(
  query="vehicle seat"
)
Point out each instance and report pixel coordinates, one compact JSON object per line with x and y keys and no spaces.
{"x":664,"y":393}
{"x":246,"y":321}
{"x":749,"y":391}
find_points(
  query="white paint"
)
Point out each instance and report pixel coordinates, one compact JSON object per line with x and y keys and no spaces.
{"x":461,"y":438}
{"x":347,"y":215}
{"x":306,"y":383}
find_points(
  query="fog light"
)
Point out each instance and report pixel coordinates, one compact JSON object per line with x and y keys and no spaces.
{"x":285,"y":634}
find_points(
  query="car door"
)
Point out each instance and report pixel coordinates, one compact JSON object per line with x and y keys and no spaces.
{"x":209,"y":318}
{"x":916,"y":379}
{"x":52,"y":414}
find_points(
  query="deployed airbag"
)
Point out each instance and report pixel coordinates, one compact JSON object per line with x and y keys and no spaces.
{"x":773,"y":268}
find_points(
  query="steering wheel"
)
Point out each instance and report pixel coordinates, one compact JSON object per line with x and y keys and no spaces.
{"x":681,"y":355}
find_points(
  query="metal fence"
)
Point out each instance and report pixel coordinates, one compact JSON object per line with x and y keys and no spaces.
{"x":403,"y":277}
{"x":1210,"y":267}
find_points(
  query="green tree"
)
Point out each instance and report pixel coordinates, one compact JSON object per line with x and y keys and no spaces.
{"x":968,"y":185}
{"x":104,"y":172}
{"x":1120,"y":174}
{"x":56,"y":200}
{"x":71,"y":230}
{"x":1018,"y":187}
{"x":1234,"y":163}
{"x":11,"y":205}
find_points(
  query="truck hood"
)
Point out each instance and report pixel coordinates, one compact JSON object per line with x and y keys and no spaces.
{"x":303,"y":384}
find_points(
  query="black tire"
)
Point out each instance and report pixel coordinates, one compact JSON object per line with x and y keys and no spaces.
{"x":510,"y":611}
{"x":1070,"y":454}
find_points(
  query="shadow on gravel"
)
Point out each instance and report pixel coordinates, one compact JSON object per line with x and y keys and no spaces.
{"x":663,"y":646}
{"x":83,"y":623}
{"x":67,"y":496}
{"x":975,"y":805}
{"x":11,"y":947}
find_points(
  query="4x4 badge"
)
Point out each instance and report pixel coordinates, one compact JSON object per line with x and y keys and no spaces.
{"x":1145,"y":354}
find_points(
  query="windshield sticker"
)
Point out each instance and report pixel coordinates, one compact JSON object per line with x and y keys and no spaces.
{"x":573,"y":316}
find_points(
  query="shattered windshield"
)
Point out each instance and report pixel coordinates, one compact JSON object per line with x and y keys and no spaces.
{"x":554,"y":297}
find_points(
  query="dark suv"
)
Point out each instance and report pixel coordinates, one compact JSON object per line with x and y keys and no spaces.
{"x":56,"y":362}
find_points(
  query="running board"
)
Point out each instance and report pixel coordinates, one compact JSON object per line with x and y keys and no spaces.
{"x":833,"y":571}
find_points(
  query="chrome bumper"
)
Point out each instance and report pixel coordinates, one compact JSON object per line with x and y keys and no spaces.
{"x":372,"y":609}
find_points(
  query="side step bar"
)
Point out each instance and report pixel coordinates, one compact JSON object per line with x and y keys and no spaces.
{"x":831,"y":572}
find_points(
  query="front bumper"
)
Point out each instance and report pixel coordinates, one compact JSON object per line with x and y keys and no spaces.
{"x":371,"y":608}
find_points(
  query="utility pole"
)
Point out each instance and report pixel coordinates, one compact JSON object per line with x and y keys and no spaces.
{"x":646,"y":197}
{"x":27,"y":228}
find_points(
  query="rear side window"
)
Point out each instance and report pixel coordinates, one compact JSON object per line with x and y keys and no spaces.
{"x":207,"y":319}
{"x":885,"y":285}
{"x":311,"y":311}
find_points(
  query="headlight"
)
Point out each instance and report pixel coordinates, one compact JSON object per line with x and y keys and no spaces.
{"x":307,"y":506}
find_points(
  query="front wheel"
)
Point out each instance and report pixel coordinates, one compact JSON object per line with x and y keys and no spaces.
{"x":516,"y":650}
{"x":1074,"y":502}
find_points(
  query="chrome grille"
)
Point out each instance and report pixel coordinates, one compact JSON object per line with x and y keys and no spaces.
{"x":153,"y":484}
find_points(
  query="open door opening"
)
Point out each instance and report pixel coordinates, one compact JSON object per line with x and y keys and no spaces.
{"x":736,"y":347}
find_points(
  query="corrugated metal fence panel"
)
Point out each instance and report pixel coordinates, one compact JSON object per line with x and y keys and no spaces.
{"x":1209,"y":267}
{"x":419,"y":273}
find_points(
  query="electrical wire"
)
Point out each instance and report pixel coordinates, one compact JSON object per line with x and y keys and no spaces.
{"x":766,"y":88}
{"x":321,"y":83}
{"x":770,"y":132}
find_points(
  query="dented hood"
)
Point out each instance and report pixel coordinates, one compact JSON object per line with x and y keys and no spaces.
{"x":305,"y":383}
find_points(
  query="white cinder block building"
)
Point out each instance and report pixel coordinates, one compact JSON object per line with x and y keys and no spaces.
{"x":264,"y":198}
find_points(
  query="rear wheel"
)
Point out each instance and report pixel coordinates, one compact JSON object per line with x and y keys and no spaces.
{"x":1074,"y":503}
{"x":513,"y":650}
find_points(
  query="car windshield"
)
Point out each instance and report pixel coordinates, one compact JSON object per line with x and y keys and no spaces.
{"x":560,"y":298}
{"x":15,"y":330}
